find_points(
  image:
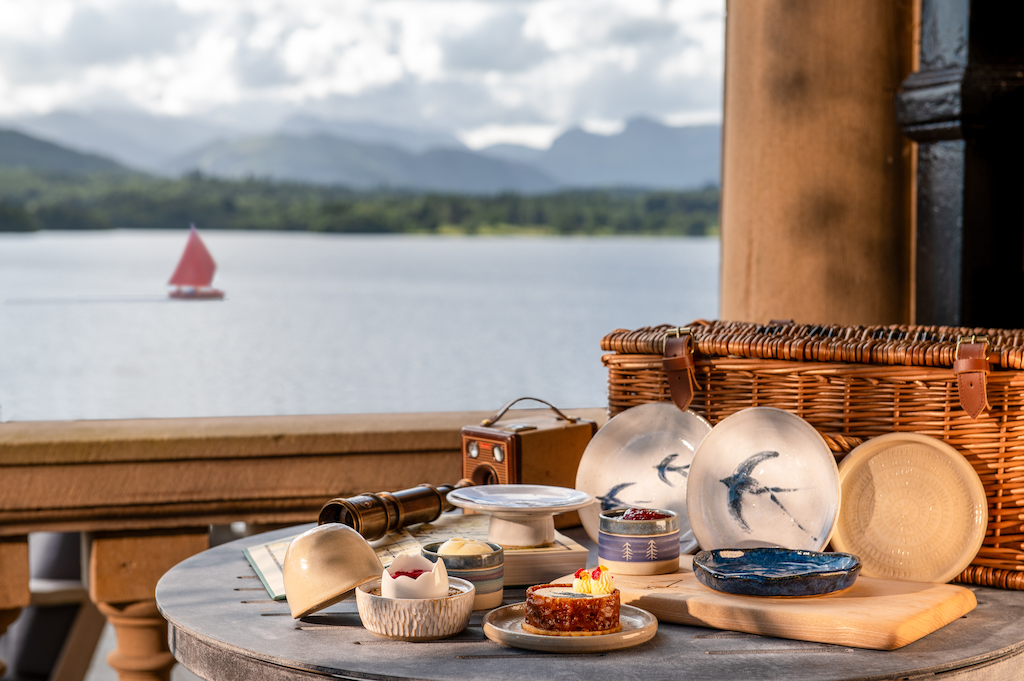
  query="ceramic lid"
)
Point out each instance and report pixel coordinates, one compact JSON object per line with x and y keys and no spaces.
{"x":324,"y":564}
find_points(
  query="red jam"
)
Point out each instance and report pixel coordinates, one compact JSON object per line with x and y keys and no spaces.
{"x":644,"y":514}
{"x":409,"y":573}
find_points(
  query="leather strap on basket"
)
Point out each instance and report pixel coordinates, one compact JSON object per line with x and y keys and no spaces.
{"x":679,"y":367}
{"x":970,"y":366}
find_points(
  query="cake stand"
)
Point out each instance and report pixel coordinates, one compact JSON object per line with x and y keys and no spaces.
{"x":521,"y":515}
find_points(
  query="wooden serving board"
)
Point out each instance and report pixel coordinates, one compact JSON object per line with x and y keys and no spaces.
{"x":874,"y":613}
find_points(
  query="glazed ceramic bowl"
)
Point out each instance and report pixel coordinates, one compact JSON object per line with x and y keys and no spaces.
{"x":775,"y":571}
{"x":485,"y":570}
{"x":416,"y":619}
{"x":639,"y":547}
{"x":324,"y":564}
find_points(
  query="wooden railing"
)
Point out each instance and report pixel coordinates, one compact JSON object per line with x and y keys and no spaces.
{"x":145,"y":493}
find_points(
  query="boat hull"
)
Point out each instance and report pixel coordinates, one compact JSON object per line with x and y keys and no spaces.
{"x":197,"y":294}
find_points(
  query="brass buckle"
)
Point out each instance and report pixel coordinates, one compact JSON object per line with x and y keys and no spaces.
{"x":677,"y":332}
{"x":972,"y":339}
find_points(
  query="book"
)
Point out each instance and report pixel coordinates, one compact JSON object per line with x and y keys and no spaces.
{"x":523,"y":566}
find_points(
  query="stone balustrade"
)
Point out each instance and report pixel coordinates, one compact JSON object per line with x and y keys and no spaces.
{"x":144,"y":493}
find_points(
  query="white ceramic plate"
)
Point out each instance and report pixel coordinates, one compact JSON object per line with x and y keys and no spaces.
{"x":763,"y":477}
{"x":641,"y":458}
{"x":913,"y":508}
{"x":505,"y":626}
{"x":515,"y":500}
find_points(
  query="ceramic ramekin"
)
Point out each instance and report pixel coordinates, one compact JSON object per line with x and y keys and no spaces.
{"x":638,"y":547}
{"x":415,"y":619}
{"x":485,"y":570}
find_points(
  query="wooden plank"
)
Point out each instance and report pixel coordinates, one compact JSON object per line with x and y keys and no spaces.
{"x":63,"y":442}
{"x":124,"y":569}
{"x":14,"y":574}
{"x":184,"y":439}
{"x":173,"y":482}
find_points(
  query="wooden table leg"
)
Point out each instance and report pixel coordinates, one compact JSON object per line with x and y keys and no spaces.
{"x":14,"y":589}
{"x":123,"y":572}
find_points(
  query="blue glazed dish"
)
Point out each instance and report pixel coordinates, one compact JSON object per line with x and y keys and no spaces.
{"x":775,"y":571}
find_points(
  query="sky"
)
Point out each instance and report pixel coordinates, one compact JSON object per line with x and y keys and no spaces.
{"x":519,"y":71}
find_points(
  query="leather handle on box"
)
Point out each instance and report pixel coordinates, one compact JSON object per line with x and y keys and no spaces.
{"x":508,"y":405}
{"x":971,"y":367}
{"x":679,"y":368}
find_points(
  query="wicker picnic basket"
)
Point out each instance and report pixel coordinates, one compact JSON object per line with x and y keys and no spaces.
{"x":853,"y":383}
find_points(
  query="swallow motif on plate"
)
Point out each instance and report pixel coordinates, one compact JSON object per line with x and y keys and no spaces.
{"x":611,"y":500}
{"x":741,"y":482}
{"x":666,"y":467}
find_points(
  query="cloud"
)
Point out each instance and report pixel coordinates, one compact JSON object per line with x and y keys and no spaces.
{"x":524,"y":66}
{"x":260,"y":68}
{"x":96,"y":36}
{"x":498,"y":44}
{"x":643,"y":31}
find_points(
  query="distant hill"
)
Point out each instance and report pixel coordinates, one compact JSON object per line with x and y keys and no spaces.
{"x":369,"y":155}
{"x":645,"y":154}
{"x":18,"y":150}
{"x":325,"y":159}
{"x":133,"y":138}
{"x":416,"y":140}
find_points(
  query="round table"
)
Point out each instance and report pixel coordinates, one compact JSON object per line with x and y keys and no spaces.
{"x":223,"y":626}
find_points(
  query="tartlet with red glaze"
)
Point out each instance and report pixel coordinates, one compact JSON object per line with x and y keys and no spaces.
{"x":587,"y":607}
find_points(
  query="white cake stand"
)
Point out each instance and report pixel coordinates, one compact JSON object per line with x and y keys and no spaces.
{"x":521,"y":515}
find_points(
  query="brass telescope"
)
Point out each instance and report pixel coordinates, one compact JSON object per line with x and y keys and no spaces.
{"x":374,"y":515}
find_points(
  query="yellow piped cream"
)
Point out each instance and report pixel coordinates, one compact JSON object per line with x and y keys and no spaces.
{"x":596,"y":582}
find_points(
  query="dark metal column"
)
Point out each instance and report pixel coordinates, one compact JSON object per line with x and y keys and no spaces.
{"x":965,"y":107}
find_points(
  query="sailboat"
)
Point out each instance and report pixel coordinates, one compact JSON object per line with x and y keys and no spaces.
{"x":194,"y":274}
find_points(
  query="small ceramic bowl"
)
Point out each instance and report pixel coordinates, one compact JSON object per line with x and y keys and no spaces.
{"x":775,"y":571}
{"x":324,"y":564}
{"x":485,"y":570}
{"x":639,"y":547}
{"x":415,"y":619}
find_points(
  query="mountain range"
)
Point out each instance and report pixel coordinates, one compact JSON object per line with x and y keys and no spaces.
{"x":18,"y":150}
{"x":366,"y":155}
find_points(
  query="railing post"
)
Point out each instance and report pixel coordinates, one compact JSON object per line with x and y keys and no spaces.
{"x":815,"y":173}
{"x":14,"y":583}
{"x":123,"y":571}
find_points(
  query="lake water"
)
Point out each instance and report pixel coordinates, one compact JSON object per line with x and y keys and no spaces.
{"x":316,"y":324}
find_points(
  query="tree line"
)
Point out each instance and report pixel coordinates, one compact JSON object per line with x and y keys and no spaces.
{"x":31,"y":201}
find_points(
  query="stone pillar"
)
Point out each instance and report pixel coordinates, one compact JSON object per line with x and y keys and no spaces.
{"x":123,"y":572}
{"x":816,"y":175}
{"x":14,"y":583}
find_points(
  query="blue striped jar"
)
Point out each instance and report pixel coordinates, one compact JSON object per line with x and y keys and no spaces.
{"x":485,"y":570}
{"x":639,"y":547}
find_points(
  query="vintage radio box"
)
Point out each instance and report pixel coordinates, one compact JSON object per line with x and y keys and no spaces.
{"x":529,"y":446}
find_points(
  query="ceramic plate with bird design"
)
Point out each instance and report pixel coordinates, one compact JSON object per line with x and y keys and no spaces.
{"x":641,"y":459}
{"x":763,"y":477}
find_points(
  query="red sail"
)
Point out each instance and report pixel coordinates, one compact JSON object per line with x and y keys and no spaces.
{"x":197,"y":266}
